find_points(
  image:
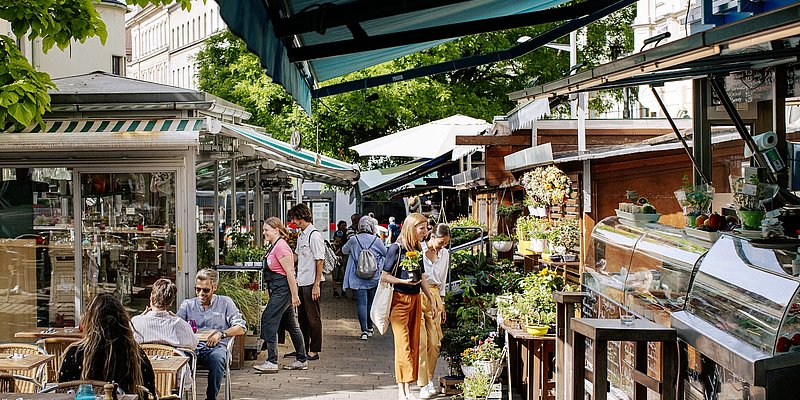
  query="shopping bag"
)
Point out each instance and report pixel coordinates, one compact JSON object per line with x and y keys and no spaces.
{"x":381,"y":306}
{"x":382,"y":302}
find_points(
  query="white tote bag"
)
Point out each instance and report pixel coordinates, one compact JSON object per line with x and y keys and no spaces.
{"x":382,"y":302}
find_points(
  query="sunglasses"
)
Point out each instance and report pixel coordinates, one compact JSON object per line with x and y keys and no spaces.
{"x":204,"y":290}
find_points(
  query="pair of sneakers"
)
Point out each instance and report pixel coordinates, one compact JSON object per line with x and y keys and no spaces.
{"x":271,"y":368}
{"x":428,"y":391}
{"x":367,"y":334}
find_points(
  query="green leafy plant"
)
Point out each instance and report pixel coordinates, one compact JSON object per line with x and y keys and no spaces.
{"x":477,"y":386}
{"x":565,"y":233}
{"x":546,"y":185}
{"x":508,"y":212}
{"x":536,"y":303}
{"x":205,"y":250}
{"x":500,"y":238}
{"x":694,"y":199}
{"x":540,"y":228}
{"x":245,"y":294}
{"x":524,"y":227}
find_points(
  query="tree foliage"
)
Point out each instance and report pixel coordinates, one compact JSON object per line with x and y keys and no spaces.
{"x":23,"y":90}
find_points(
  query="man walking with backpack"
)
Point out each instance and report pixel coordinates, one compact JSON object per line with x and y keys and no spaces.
{"x":366,"y":252}
{"x":310,"y":261}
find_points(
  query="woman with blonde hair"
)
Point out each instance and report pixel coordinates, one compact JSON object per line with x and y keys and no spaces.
{"x":283,"y":298}
{"x":437,"y":262}
{"x":108,"y":351}
{"x":406,"y":312}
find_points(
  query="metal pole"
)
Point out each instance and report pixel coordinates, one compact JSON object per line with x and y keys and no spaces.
{"x":258,"y":206}
{"x":216,"y":212}
{"x":680,"y":137}
{"x":234,"y":220}
{"x":247,"y":201}
{"x":701,"y":142}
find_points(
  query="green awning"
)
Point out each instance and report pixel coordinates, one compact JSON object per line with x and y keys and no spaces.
{"x":313,"y":165}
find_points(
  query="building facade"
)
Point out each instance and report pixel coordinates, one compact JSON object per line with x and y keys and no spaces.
{"x":81,"y":58}
{"x":163,"y":41}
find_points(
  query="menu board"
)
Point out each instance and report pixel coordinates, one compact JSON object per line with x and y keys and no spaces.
{"x":322,"y":215}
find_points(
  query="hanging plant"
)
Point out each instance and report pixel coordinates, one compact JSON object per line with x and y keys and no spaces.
{"x":546,"y":185}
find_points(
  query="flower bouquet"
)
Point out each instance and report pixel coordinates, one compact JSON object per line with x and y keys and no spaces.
{"x":412,"y":264}
{"x":694,"y":200}
{"x":750,"y":195}
{"x":546,"y":186}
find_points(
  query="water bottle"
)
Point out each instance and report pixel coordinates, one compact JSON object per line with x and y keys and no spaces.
{"x":85,"y":392}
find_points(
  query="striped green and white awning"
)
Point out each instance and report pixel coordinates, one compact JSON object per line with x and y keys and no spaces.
{"x":304,"y":163}
{"x":96,"y":134}
{"x":116,"y":125}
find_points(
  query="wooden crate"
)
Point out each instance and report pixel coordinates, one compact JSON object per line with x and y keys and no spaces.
{"x":237,"y":356}
{"x":252,"y":347}
{"x":448,"y":385}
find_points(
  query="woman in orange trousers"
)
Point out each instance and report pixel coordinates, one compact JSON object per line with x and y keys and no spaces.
{"x":406,"y":313}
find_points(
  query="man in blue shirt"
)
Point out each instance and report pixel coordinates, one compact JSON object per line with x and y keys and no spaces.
{"x":213,"y":312}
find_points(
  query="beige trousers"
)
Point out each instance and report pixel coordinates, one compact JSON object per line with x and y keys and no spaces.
{"x":430,"y":338}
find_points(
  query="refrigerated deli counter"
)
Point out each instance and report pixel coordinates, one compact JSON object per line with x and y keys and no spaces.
{"x":734,"y":303}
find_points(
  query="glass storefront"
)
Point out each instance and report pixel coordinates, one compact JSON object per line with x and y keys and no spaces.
{"x":127,"y":240}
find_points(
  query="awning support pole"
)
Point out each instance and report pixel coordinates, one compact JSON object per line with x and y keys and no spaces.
{"x":216,"y":212}
{"x":247,"y":201}
{"x":258,"y":207}
{"x":234,"y":219}
{"x":680,"y":137}
{"x":730,"y":108}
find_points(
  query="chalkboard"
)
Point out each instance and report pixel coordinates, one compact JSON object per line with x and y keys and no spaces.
{"x":748,"y":86}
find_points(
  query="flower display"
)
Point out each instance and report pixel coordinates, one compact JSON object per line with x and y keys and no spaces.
{"x":486,"y":350}
{"x":546,"y":185}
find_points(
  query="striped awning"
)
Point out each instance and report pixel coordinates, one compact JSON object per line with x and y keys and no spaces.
{"x":94,"y":134}
{"x":304,"y":163}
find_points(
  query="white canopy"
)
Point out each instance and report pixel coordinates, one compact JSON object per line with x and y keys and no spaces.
{"x":430,"y":140}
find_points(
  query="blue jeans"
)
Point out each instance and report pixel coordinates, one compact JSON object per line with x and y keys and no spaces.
{"x":215,"y":359}
{"x":364,"y":297}
{"x":279,"y":309}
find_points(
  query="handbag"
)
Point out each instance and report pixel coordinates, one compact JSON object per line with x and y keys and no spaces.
{"x":382,"y":303}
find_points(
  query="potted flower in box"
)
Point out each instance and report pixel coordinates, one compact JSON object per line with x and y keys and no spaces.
{"x":412,"y":263}
{"x":483,"y":358}
{"x":750,"y":195}
{"x":694,"y":200}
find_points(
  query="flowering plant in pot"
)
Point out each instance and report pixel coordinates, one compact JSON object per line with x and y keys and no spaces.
{"x":412,"y":264}
{"x":694,"y":199}
{"x":501,"y":242}
{"x":482,"y":358}
{"x":539,"y":232}
{"x":477,"y":386}
{"x":547,"y":185}
{"x":524,"y":226}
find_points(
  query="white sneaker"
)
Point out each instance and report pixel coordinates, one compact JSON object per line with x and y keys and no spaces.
{"x":364,"y":336}
{"x":424,"y":392}
{"x":266,"y":367}
{"x":370,"y":332}
{"x":297,"y":365}
{"x":432,"y":390}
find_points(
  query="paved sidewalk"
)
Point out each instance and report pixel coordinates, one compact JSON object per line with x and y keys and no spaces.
{"x":348,"y":368}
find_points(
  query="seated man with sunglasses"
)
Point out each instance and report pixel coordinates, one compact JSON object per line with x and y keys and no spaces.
{"x":214,"y":312}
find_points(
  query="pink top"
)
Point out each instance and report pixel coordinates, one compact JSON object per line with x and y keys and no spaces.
{"x":280,"y":249}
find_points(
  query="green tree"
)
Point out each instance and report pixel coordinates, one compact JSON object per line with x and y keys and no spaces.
{"x":23,"y":90}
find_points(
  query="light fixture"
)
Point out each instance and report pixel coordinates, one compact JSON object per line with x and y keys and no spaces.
{"x":769,"y":35}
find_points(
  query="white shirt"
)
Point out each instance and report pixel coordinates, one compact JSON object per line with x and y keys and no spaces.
{"x":309,"y":249}
{"x":163,"y":327}
{"x":436,"y":272}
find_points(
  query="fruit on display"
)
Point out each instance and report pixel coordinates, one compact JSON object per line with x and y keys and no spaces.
{"x":700,"y":220}
{"x":783,"y":345}
{"x":715,"y":221}
{"x":796,"y":339}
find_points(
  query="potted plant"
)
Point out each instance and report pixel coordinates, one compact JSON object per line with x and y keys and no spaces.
{"x":523,"y":230}
{"x":749,"y":195}
{"x":501,"y":243}
{"x":412,"y":263}
{"x":476,"y":387}
{"x":536,"y":299}
{"x":539,"y":234}
{"x":564,"y":235}
{"x":536,"y":207}
{"x":694,"y":200}
{"x":482,"y":358}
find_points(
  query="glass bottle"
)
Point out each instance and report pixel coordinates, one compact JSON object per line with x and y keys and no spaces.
{"x":85,"y":392}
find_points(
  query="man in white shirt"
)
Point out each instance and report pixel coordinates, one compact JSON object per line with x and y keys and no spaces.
{"x":310,"y":260}
{"x":158,"y":325}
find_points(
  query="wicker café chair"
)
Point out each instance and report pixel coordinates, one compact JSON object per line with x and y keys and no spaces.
{"x":167,"y":384}
{"x":55,"y":346}
{"x":8,"y":382}
{"x":35,"y":375}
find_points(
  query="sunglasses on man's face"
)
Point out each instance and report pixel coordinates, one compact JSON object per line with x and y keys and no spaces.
{"x":204,"y":290}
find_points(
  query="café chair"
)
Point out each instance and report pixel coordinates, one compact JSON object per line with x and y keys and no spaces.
{"x":55,"y":346}
{"x":229,"y":348}
{"x":168,"y":383}
{"x":109,"y":391}
{"x":36,"y":378}
{"x":8,"y":383}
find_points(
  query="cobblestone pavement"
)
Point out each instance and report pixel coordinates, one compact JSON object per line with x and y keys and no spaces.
{"x":348,"y":368}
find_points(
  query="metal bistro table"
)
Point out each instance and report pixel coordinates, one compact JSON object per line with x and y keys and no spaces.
{"x":531,"y":363}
